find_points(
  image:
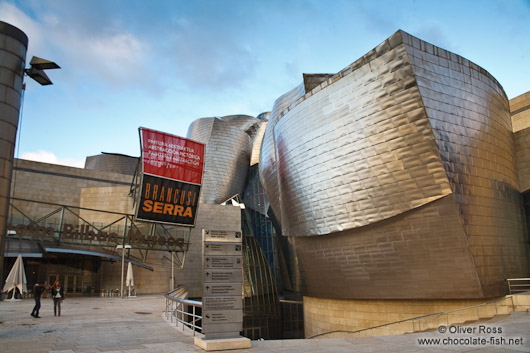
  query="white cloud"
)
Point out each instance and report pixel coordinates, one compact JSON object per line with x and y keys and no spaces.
{"x":117,"y":58}
{"x":49,"y":157}
{"x":16,"y":17}
{"x":109,"y":52}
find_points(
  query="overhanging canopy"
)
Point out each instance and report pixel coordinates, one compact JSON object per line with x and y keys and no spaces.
{"x":72,"y":250}
{"x":28,"y":248}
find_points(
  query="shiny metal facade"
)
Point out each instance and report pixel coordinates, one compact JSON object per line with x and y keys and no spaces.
{"x":268,"y":160}
{"x":398,"y":175}
{"x":229,"y":143}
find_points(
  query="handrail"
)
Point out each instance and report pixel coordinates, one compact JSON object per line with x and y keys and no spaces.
{"x":423,"y":317}
{"x":176,"y":309}
{"x":519,"y":287}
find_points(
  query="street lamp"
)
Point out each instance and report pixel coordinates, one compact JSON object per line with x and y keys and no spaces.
{"x":37,"y":67}
{"x":122,"y":247}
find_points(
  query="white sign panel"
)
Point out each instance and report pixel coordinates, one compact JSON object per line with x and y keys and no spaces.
{"x":222,"y":276}
{"x":221,"y":236}
{"x":222,"y":249}
{"x":222,"y":316}
{"x":230,"y":289}
{"x":222,"y":303}
{"x":222,"y":262}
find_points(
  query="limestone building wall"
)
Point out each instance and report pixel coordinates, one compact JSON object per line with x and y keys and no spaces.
{"x":340,"y":318}
{"x":57,"y":184}
{"x":208,"y":217}
{"x":112,"y":162}
{"x":116,"y":199}
{"x":107,"y":191}
{"x":190,"y":275}
{"x":520,"y":110}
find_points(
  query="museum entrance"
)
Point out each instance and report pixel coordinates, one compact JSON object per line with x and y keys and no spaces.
{"x":71,"y":284}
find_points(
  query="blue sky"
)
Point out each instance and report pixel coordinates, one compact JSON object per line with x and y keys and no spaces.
{"x":163,"y":64}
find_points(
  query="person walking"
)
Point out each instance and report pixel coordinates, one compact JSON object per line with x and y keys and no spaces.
{"x":58,"y":296}
{"x":38,"y":289}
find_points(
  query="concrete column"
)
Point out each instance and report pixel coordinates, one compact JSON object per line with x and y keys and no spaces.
{"x":13,"y":48}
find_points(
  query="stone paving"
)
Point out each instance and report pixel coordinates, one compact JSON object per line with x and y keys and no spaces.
{"x":137,"y":325}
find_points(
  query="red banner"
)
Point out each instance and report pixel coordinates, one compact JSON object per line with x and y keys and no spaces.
{"x":172,"y":157}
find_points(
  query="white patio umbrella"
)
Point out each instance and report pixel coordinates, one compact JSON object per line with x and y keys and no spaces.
{"x":16,"y":278}
{"x":129,"y":280}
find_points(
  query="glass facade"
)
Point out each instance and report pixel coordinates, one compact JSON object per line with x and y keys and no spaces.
{"x":264,"y":315}
{"x":261,"y":305}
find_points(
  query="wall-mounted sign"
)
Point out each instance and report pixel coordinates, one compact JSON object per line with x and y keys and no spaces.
{"x":172,"y":170}
{"x":172,"y":157}
{"x":168,"y":201}
{"x":85,"y":234}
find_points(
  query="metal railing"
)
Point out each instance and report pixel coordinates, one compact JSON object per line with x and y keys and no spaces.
{"x":433,"y":321}
{"x":183,"y":311}
{"x":518,"y":285}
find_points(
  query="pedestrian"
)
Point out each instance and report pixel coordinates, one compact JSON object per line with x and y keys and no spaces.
{"x":38,"y":289}
{"x":58,"y":296}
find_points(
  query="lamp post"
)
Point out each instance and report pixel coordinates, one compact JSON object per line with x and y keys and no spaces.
{"x":122,"y":247}
{"x":13,"y":48}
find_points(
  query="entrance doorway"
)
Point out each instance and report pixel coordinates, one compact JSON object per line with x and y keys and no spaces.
{"x":71,"y":284}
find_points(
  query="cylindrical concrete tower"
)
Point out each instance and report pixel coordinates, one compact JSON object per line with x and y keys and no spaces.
{"x":13,"y":47}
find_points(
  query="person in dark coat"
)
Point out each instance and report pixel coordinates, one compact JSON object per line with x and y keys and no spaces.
{"x":38,"y":289}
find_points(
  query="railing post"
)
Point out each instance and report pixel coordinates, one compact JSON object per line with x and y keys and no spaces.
{"x":174,"y":311}
{"x":193,"y":320}
{"x":61,"y":224}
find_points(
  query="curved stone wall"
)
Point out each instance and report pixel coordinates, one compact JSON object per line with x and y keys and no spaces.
{"x":409,"y":129}
{"x":112,"y":162}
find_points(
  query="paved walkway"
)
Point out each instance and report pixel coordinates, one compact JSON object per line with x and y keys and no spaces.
{"x":136,"y":325}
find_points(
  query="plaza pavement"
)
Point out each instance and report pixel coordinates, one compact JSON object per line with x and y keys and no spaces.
{"x":133,"y":325}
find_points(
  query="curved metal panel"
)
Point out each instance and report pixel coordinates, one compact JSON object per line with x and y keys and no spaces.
{"x":404,"y":162}
{"x":267,"y":158}
{"x":227,"y":155}
{"x":367,"y":152}
{"x":256,"y":142}
{"x":470,"y":118}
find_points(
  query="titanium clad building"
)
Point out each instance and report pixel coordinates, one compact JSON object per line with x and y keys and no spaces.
{"x":381,"y":193}
{"x":229,"y":145}
{"x":403,"y":184}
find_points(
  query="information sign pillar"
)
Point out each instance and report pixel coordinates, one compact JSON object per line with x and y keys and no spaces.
{"x":222,"y":278}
